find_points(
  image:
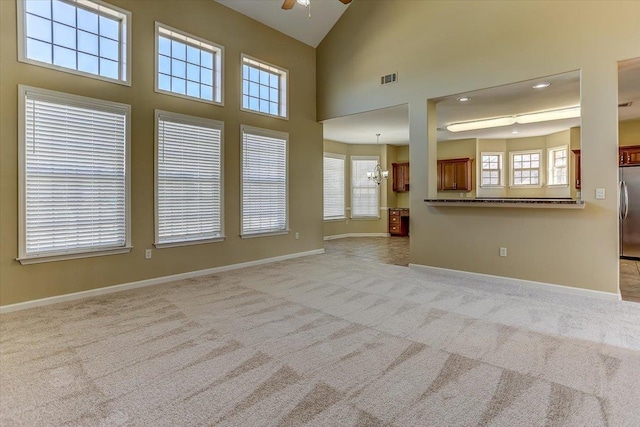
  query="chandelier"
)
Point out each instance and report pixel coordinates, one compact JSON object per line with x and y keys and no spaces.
{"x":378,"y":175}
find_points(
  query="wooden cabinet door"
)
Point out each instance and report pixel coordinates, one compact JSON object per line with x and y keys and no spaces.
{"x":577,"y":173}
{"x":449,"y":175}
{"x":439,"y":176}
{"x":631,"y":155}
{"x":463,"y":175}
{"x":400,"y":177}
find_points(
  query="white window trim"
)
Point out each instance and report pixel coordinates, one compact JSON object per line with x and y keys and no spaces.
{"x":550,"y":166}
{"x":284,"y":97}
{"x":377,"y":187}
{"x":272,"y":134}
{"x":194,"y":120}
{"x":344,"y":195}
{"x":22,"y":205}
{"x":541,"y":168}
{"x":125,"y":43}
{"x":501,"y":155}
{"x":218,"y":64}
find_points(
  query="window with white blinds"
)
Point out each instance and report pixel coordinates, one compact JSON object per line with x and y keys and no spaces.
{"x":74,"y":176}
{"x":334,"y":186}
{"x":364,"y":192}
{"x":188,"y":179}
{"x":264,"y":182}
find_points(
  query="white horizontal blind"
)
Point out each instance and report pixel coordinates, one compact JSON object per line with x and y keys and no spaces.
{"x":333,"y":186}
{"x":264,"y":181}
{"x":75,"y":179}
{"x":364,"y":192}
{"x":189,"y":190}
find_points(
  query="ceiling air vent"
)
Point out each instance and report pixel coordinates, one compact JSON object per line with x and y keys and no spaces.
{"x":389,"y":78}
{"x":626,"y":104}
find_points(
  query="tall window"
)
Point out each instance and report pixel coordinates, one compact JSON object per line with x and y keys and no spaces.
{"x":188,"y":179}
{"x":74,"y":176}
{"x":264,"y":87}
{"x":87,"y":37}
{"x":264,"y":182}
{"x":187,"y":65}
{"x":491,"y":170}
{"x":334,"y":186}
{"x":558,"y":166}
{"x":364,"y":192}
{"x":525,"y":168}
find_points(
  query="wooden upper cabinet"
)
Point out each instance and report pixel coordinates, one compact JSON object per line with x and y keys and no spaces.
{"x":454,"y":174}
{"x":629,"y":155}
{"x":577,"y":174}
{"x":400,"y":177}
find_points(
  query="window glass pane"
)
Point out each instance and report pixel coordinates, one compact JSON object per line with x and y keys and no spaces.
{"x":178,"y":50}
{"x":206,"y":92}
{"x":264,"y":106}
{"x":88,"y":42}
{"x":109,"y":28}
{"x":274,"y":81}
{"x":206,"y":59}
{"x":64,"y":12}
{"x":264,"y":92}
{"x":87,"y":21}
{"x":39,"y":7}
{"x":64,"y":57}
{"x":109,"y":49}
{"x":38,"y":28}
{"x":164,"y":82}
{"x":108,"y":68}
{"x":254,"y":90}
{"x":164,"y":64}
{"x":206,"y":76}
{"x":178,"y":85}
{"x":193,"y":89}
{"x":39,"y":51}
{"x":193,"y":55}
{"x":273,"y":108}
{"x":193,"y":72}
{"x":88,"y":63}
{"x":178,"y":68}
{"x":164,"y":46}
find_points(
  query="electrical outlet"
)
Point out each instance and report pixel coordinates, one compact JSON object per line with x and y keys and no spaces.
{"x":147,"y":254}
{"x":503,"y":251}
{"x":461,"y":194}
{"x":468,"y":195}
{"x":297,"y":235}
{"x":600,"y":194}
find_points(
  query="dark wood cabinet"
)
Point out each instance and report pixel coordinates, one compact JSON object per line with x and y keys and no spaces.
{"x":455,"y":174}
{"x":399,"y":222}
{"x":629,"y":156}
{"x":577,"y":174}
{"x":400,"y":177}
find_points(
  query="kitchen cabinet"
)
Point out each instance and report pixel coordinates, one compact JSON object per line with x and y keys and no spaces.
{"x":455,"y":174}
{"x":399,"y":222}
{"x":400,"y":177}
{"x":629,"y":156}
{"x":577,"y":173}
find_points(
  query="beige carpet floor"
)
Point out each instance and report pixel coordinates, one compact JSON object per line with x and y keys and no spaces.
{"x":323,"y":341}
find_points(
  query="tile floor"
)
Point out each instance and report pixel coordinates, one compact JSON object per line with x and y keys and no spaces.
{"x":630,"y":280}
{"x":395,"y":250}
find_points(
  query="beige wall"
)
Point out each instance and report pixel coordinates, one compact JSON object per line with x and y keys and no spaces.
{"x":238,"y":34}
{"x":440,"y":48}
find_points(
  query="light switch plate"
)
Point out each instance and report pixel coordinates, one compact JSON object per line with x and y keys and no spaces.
{"x":600,"y":193}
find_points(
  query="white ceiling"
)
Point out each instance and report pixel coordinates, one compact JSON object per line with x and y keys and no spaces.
{"x":391,"y":123}
{"x":294,"y":22}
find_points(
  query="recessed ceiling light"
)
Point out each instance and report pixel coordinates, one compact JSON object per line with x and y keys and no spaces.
{"x":464,"y":98}
{"x":541,"y":85}
{"x":514,"y":132}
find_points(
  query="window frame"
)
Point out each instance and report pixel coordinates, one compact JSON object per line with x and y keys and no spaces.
{"x":540,"y":168}
{"x":193,"y":120}
{"x":501,"y":156}
{"x":283,"y":91}
{"x":551,"y":167}
{"x":218,"y":64}
{"x":376,"y":186}
{"x":80,"y":101}
{"x":124,"y":46}
{"x":269,"y":134}
{"x":343,"y":158}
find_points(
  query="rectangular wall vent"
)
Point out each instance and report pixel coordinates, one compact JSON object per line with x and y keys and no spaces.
{"x":389,"y":78}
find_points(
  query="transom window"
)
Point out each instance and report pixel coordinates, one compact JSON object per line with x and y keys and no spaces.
{"x":558,"y":166}
{"x":491,"y":170}
{"x":187,"y":65}
{"x":80,"y":36}
{"x":364,"y":192}
{"x":74,"y":176}
{"x":525,"y":168}
{"x":264,"y":87}
{"x":334,"y":187}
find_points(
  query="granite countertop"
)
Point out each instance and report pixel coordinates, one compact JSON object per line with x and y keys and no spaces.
{"x":399,"y":209}
{"x":510,"y":202}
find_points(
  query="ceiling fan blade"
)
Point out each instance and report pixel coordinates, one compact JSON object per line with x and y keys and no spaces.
{"x":345,"y":1}
{"x":288,"y":4}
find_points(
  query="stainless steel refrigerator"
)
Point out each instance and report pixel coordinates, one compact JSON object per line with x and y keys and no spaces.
{"x":630,"y":212}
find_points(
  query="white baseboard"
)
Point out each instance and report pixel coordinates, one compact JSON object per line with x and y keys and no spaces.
{"x":148,"y":282}
{"x":342,"y":236}
{"x":520,"y":282}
